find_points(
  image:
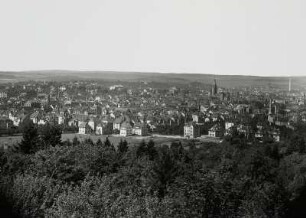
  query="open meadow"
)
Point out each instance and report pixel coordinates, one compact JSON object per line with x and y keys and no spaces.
{"x":115,"y":139}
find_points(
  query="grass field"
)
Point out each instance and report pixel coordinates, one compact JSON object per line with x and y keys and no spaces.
{"x":158,"y":139}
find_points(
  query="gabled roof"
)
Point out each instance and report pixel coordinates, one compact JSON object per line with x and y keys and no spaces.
{"x":140,"y":125}
{"x":34,"y":115}
{"x":126,"y":125}
{"x":190,"y":124}
{"x":216,"y":127}
{"x":119,"y":120}
{"x":82,"y":125}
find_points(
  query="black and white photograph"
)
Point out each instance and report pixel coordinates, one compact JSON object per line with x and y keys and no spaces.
{"x":153,"y":108}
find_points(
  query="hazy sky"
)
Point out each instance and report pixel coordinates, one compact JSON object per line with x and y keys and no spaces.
{"x":253,"y":37}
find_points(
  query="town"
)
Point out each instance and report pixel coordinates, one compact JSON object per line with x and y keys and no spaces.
{"x":126,"y":109}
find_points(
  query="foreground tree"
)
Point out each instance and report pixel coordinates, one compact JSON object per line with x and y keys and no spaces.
{"x":164,"y":171}
{"x":30,"y":139}
{"x":50,"y":135}
{"x":123,"y":146}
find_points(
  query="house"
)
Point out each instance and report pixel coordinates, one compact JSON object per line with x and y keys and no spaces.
{"x":245,"y":130}
{"x":61,"y":119}
{"x":195,"y":118}
{"x":230,"y":131}
{"x":5,"y":123}
{"x":28,"y":104}
{"x":191,"y":130}
{"x":34,"y":117}
{"x":216,"y":131}
{"x":84,"y":128}
{"x":91,"y":123}
{"x":228,"y":125}
{"x":275,"y":134}
{"x":16,"y":118}
{"x":3,"y":95}
{"x":259,"y":134}
{"x":140,"y":129}
{"x":72,"y":122}
{"x":229,"y":128}
{"x":271,"y":119}
{"x":117,"y":123}
{"x":126,"y":129}
{"x":41,"y":122}
{"x":99,"y":129}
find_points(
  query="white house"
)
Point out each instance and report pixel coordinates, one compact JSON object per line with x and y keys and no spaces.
{"x":228,"y":125}
{"x":16,"y":120}
{"x":215,"y":131}
{"x":191,"y":130}
{"x":60,"y":120}
{"x":140,"y":129}
{"x":126,"y":129}
{"x":34,"y":117}
{"x":91,"y":123}
{"x":117,"y":123}
{"x":195,"y":118}
{"x":41,"y":122}
{"x":275,"y":135}
{"x":99,"y":129}
{"x":84,"y":128}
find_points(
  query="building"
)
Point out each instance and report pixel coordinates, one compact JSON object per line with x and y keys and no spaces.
{"x":5,"y":123}
{"x":91,"y":123}
{"x":191,"y":130}
{"x":61,"y":119}
{"x":229,"y":128}
{"x":34,"y":117}
{"x":41,"y":122}
{"x":216,"y":131}
{"x":16,"y":119}
{"x":114,"y":87}
{"x":140,"y":129}
{"x":28,"y":104}
{"x":228,"y":125}
{"x":72,"y":122}
{"x":99,"y":129}
{"x":259,"y":134}
{"x":195,"y":118}
{"x":245,"y":130}
{"x":84,"y":128}
{"x":3,"y":95}
{"x":126,"y":129}
{"x":117,"y":123}
{"x":214,"y":88}
{"x":275,"y":134}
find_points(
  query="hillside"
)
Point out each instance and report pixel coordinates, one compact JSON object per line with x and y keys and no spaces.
{"x":224,"y":80}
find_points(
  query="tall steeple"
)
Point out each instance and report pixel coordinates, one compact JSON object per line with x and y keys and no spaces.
{"x":215,"y":87}
{"x":290,"y":84}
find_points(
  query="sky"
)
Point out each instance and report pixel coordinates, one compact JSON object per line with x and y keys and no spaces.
{"x":249,"y":37}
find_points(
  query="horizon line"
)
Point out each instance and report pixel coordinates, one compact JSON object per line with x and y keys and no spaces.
{"x":143,"y":72}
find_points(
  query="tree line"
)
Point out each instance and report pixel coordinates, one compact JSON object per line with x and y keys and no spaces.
{"x":46,"y":177}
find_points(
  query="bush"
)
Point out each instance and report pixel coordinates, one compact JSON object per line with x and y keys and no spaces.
{"x":31,"y":195}
{"x":95,"y":197}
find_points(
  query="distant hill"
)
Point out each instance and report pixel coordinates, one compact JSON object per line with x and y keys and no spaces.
{"x":171,"y":78}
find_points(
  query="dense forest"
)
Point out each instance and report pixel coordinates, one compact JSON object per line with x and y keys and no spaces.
{"x":46,"y":177}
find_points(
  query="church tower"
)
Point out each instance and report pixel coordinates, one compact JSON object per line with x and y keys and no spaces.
{"x":214,"y":88}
